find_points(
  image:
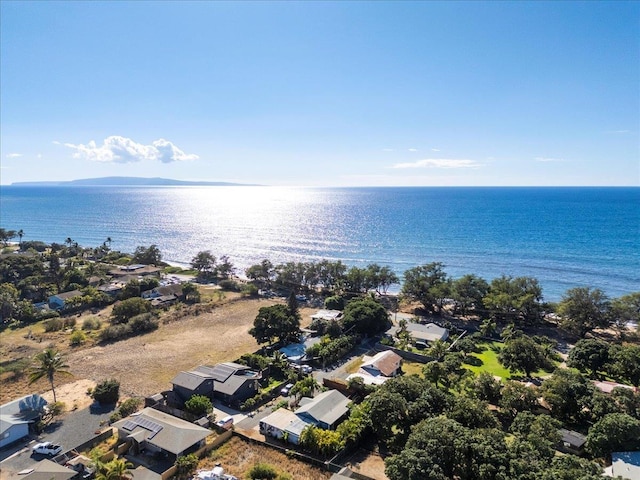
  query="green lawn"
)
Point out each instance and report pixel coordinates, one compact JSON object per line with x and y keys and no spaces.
{"x":490,"y":363}
{"x":489,"y":359}
{"x":410,"y":368}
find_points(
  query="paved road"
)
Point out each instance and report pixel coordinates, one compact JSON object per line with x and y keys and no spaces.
{"x":73,"y":429}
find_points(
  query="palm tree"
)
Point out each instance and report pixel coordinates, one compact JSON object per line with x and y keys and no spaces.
{"x":48,"y":363}
{"x":116,"y":469}
{"x":20,"y":234}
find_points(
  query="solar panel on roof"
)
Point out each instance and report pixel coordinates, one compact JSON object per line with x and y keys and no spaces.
{"x":149,"y":425}
{"x":129,"y":425}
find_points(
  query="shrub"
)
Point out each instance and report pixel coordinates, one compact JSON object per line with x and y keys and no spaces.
{"x":229,"y":285}
{"x":91,"y":323}
{"x":115,"y":332}
{"x":53,"y":325}
{"x":107,"y":391}
{"x":130,"y":406}
{"x":335,"y":302}
{"x":144,"y":322}
{"x":249,"y":290}
{"x":69,"y":322}
{"x":198,"y":405}
{"x":186,"y":463}
{"x":262,"y":471}
{"x":78,"y":337}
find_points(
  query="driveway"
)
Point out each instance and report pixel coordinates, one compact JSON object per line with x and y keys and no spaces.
{"x":339,"y":369}
{"x":70,"y":430}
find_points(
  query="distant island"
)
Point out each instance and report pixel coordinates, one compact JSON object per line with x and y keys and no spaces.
{"x":127,"y":181}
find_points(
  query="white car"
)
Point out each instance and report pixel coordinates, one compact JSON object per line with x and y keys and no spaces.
{"x":47,"y":448}
{"x":287,"y":388}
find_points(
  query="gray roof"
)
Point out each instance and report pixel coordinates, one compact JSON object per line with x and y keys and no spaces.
{"x":326,"y":407}
{"x":23,"y":410}
{"x":429,"y":332}
{"x":190,"y":380}
{"x":162,"y":430}
{"x":221,"y":371}
{"x":48,"y":470}
{"x":66,"y":295}
{"x":575,"y":439}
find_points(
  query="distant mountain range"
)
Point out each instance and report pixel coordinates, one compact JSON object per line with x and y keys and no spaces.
{"x":125,"y":181}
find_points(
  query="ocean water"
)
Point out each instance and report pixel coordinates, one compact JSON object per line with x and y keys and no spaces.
{"x":564,"y":237}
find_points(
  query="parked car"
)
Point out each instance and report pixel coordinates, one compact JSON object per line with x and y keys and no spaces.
{"x":47,"y":448}
{"x":286,"y":389}
{"x":226,"y":423}
{"x":306,"y":369}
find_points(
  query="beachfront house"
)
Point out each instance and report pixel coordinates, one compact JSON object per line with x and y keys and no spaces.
{"x":422,"y":335}
{"x":18,"y":418}
{"x":325,"y":411}
{"x":156,"y":433}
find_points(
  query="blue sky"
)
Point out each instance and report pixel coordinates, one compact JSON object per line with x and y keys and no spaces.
{"x":322,"y":93}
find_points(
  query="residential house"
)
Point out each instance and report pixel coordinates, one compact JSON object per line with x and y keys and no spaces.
{"x":422,"y":335}
{"x":230,"y":382}
{"x":187,"y":384}
{"x":163,"y":295}
{"x":325,"y":411}
{"x":48,"y":470}
{"x":379,"y":368}
{"x":625,"y":465}
{"x":606,"y":386}
{"x":571,"y":442}
{"x":137,"y":269}
{"x":58,"y":301}
{"x":17,"y":418}
{"x":326,"y":315}
{"x":157,"y":433}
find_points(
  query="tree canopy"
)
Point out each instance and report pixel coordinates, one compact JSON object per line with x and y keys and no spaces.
{"x":275,"y":322}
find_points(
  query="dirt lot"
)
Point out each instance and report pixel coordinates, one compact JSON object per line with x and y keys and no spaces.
{"x":145,"y":364}
{"x":238,"y":456}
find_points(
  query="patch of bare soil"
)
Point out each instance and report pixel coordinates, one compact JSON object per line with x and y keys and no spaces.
{"x":238,"y":456}
{"x":144,"y":365}
{"x":367,"y":463}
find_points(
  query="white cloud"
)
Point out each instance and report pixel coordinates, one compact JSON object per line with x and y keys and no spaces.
{"x":548,"y":159}
{"x":124,"y":150}
{"x":14,"y":155}
{"x":440,"y":163}
{"x":413,"y":149}
{"x":435,"y":149}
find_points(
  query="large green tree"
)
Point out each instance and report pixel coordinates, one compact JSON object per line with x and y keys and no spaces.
{"x":616,"y":432}
{"x":568,"y":393}
{"x":275,"y":322}
{"x":204,"y":262}
{"x":366,"y":316}
{"x":516,"y":300}
{"x":589,"y":355}
{"x":150,"y":255}
{"x":468,"y":291}
{"x":426,"y":284}
{"x":48,"y":364}
{"x":583,"y":309}
{"x":522,"y":354}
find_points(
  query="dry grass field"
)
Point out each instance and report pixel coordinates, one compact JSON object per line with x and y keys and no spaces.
{"x":145,"y":364}
{"x":238,"y":456}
